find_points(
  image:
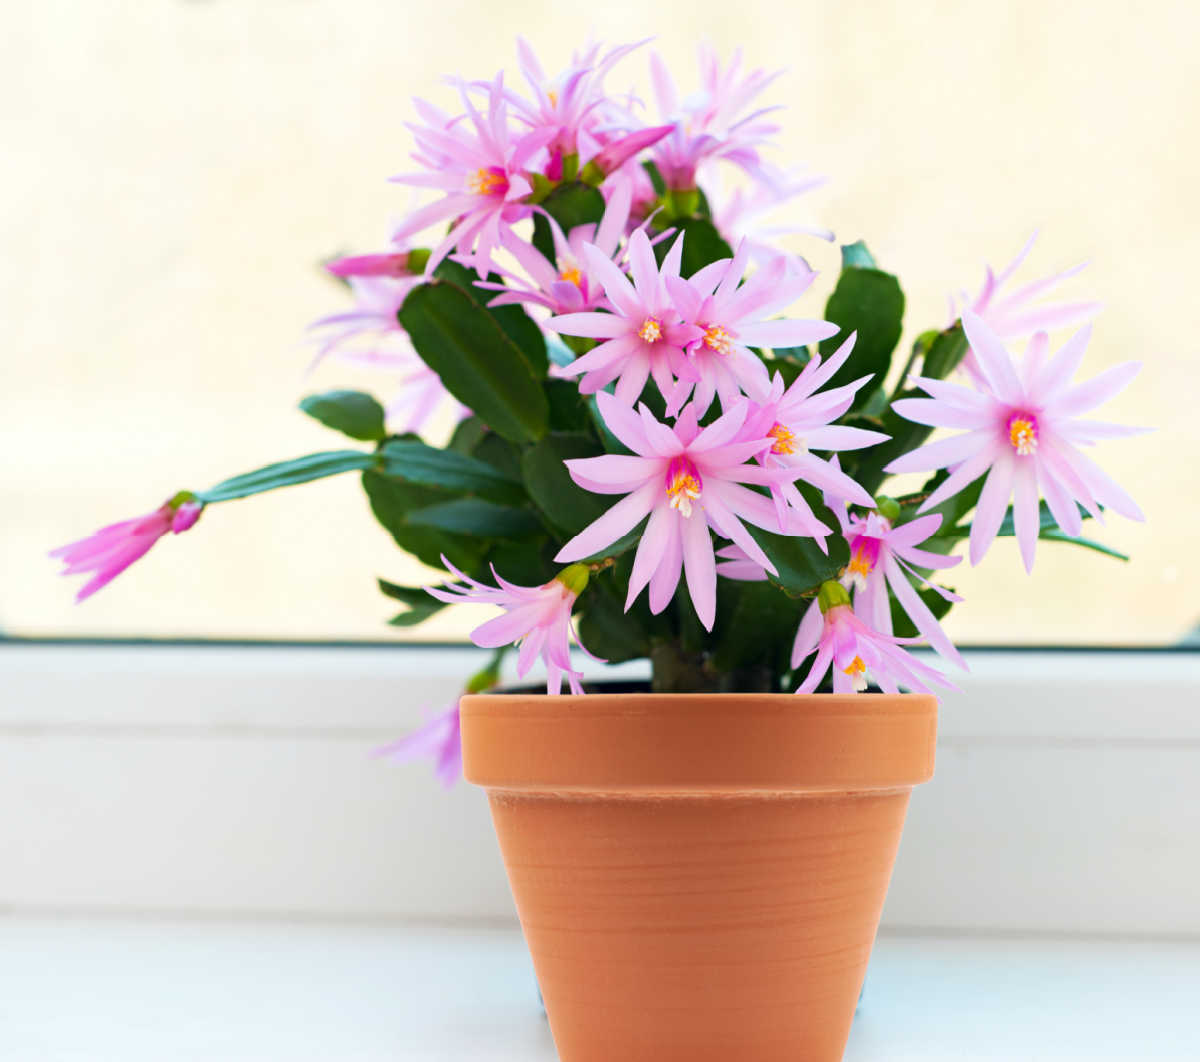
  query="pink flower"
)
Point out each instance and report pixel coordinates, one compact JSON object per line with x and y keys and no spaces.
{"x":686,"y":480}
{"x":1023,"y":428}
{"x":1011,"y":315}
{"x":883,"y":556}
{"x":855,"y":650}
{"x":572,"y":287}
{"x":711,"y":124}
{"x":799,"y":419}
{"x":742,"y":214}
{"x":566,"y":108}
{"x":644,"y":336}
{"x":480,"y":169}
{"x":537,"y":618}
{"x":381,"y":264}
{"x":370,"y":335}
{"x":440,"y":738}
{"x":109,"y":551}
{"x":618,"y":153}
{"x":733,"y":316}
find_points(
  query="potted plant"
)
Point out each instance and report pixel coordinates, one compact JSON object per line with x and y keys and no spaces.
{"x":656,"y":456}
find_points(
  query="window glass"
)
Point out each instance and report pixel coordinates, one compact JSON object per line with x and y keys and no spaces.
{"x":174,"y":173}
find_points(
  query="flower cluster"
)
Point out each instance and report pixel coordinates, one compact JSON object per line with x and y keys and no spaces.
{"x":639,"y":403}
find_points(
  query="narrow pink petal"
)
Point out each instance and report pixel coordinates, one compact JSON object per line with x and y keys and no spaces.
{"x":624,"y":423}
{"x":1059,"y":501}
{"x":1059,"y":370}
{"x":966,"y":473}
{"x":612,"y":473}
{"x":993,"y":502}
{"x":808,"y":634}
{"x":1094,"y":392}
{"x":819,"y":667}
{"x":1025,"y":508}
{"x":937,"y":414}
{"x":619,"y":520}
{"x":700,"y":569}
{"x":1103,"y":487}
{"x":663,"y":524}
{"x":944,"y":452}
{"x":785,"y":333}
{"x":994,"y":358}
{"x":591,"y":325}
{"x":665,"y":579}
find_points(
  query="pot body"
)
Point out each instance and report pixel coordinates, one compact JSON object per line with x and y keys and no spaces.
{"x":699,"y":876}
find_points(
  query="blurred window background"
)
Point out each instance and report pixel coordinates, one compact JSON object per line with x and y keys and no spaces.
{"x":183,"y":167}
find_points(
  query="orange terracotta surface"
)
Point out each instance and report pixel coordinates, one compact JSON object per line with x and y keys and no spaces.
{"x":699,"y":877}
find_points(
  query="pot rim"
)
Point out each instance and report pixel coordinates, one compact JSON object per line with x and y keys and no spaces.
{"x":700,"y":743}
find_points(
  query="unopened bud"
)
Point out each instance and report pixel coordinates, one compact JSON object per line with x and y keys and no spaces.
{"x":888,"y":508}
{"x":832,"y":595}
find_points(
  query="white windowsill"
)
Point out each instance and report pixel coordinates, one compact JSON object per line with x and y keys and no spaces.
{"x":142,"y":992}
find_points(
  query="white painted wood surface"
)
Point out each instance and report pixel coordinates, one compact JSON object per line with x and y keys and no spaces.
{"x":117,"y":991}
{"x":223,"y":780}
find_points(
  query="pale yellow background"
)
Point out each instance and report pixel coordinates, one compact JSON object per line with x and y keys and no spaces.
{"x":172,"y":171}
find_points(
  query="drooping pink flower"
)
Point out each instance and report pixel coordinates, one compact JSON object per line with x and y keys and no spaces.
{"x":440,"y":739}
{"x":644,"y":336}
{"x":856,"y":651}
{"x":1014,"y":315}
{"x":536,"y":618}
{"x":572,"y":287}
{"x":109,"y":551}
{"x":479,"y":167}
{"x":686,"y":479}
{"x":1023,"y":428}
{"x":734,"y":314}
{"x":712,"y":123}
{"x":379,"y":264}
{"x":800,"y":419}
{"x":370,"y":335}
{"x":883,"y":556}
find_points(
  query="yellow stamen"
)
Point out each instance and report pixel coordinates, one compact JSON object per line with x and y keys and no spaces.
{"x":651,"y":330}
{"x":1022,"y":434}
{"x":552,"y":96}
{"x":486,"y":182}
{"x":860,"y":564}
{"x":716,"y":338}
{"x":573,"y":275}
{"x":683,"y":489}
{"x":785,"y":439}
{"x":856,"y":668}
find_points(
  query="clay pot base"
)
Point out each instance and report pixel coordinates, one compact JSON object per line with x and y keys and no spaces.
{"x":668,"y":923}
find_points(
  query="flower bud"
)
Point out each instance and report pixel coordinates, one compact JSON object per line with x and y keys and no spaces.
{"x":888,"y":508}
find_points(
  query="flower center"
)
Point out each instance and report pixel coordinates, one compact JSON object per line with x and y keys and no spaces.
{"x":1023,"y":433}
{"x":864,"y":556}
{"x":857,"y":670}
{"x":651,"y":330}
{"x":683,"y":485}
{"x":716,"y":338}
{"x":574,"y":275}
{"x":488,"y":180}
{"x":785,"y":439}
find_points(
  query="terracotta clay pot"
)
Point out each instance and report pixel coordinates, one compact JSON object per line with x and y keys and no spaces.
{"x":699,"y":876}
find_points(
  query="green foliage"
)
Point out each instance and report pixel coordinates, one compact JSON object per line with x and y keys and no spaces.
{"x":758,"y":627}
{"x":287,"y":474}
{"x":512,"y":319}
{"x":353,"y":413}
{"x":802,"y":567}
{"x":702,"y":244}
{"x":478,"y":363}
{"x":478,"y":518}
{"x":605,"y":628}
{"x":447,"y":470}
{"x":570,"y":204}
{"x":567,"y":507}
{"x":419,"y":604}
{"x":392,"y":500}
{"x":869,"y":302}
